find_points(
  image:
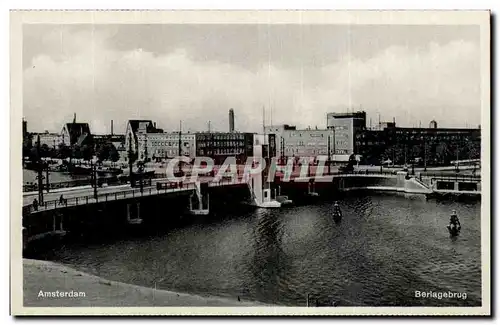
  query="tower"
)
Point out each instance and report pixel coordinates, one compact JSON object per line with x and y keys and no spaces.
{"x":433,"y":124}
{"x":231,"y":120}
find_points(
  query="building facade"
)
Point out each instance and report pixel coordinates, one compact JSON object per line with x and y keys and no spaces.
{"x":301,"y":143}
{"x":134,"y":127}
{"x":52,"y":140}
{"x":76,"y":134}
{"x":165,"y":145}
{"x":220,"y":145}
{"x":345,"y":126}
{"x":424,"y":146}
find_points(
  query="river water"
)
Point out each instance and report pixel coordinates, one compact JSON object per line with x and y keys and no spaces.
{"x":29,"y":176}
{"x":386,"y":248}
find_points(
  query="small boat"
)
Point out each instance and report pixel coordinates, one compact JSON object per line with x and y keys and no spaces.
{"x":337,"y":216}
{"x":284,"y":200}
{"x":454,"y":230}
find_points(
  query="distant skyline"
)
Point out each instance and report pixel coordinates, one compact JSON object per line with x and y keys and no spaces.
{"x":196,"y":73}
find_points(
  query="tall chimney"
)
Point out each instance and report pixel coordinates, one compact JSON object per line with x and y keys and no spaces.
{"x":111,"y":127}
{"x":231,"y":120}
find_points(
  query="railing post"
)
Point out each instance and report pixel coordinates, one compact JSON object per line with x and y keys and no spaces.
{"x":106,"y":197}
{"x":76,"y":201}
{"x":115,"y":196}
{"x":87,"y":200}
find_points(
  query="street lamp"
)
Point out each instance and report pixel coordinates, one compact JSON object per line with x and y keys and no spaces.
{"x":140,"y":169}
{"x":93,"y":176}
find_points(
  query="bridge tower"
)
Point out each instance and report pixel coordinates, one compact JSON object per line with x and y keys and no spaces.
{"x":259,"y":187}
{"x":134,"y":213}
{"x":199,"y":203}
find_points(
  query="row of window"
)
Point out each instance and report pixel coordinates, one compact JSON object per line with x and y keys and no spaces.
{"x":311,"y":135}
{"x":312,"y":152}
{"x":220,"y":151}
{"x":228,"y":136}
{"x":221,"y":144}
{"x":167,"y":144}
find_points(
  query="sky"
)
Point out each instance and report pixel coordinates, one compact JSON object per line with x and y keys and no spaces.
{"x":292,"y":74}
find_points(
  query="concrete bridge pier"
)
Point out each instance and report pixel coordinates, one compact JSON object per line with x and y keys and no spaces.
{"x":311,"y":188}
{"x":57,"y":222}
{"x":199,"y":198}
{"x":134,"y":213}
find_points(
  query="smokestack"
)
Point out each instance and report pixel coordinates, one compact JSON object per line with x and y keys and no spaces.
{"x":231,"y":120}
{"x":111,"y":127}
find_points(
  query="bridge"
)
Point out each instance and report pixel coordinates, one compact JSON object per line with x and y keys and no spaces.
{"x":161,"y":185}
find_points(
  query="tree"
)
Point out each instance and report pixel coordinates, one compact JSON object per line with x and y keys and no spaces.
{"x":114,"y":156}
{"x":103,"y":152}
{"x":76,"y":152}
{"x":63,"y":151}
{"x":87,"y":152}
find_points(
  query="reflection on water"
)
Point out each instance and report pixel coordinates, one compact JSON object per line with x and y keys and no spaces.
{"x":385,"y":249}
{"x":29,"y":176}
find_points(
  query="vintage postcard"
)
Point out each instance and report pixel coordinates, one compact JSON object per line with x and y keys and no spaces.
{"x":250,"y":163}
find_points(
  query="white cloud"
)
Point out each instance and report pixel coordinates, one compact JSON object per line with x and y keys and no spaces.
{"x":440,"y":82}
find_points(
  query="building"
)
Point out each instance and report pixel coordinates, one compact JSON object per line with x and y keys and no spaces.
{"x":161,"y":146}
{"x":27,"y":137}
{"x":220,"y":145}
{"x":76,"y":134}
{"x":133,"y":128}
{"x":433,"y":125}
{"x":427,"y":146}
{"x":115,"y":139}
{"x":231,"y":120}
{"x":301,"y":143}
{"x":345,"y":126}
{"x":52,"y":140}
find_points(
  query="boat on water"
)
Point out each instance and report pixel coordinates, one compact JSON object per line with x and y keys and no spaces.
{"x":337,"y":213}
{"x":284,"y":200}
{"x":454,"y":230}
{"x":454,"y":227}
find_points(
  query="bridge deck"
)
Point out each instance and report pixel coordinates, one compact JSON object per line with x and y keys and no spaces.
{"x":119,"y":195}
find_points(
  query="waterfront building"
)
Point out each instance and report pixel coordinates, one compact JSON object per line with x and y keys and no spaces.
{"x":301,"y":143}
{"x":164,"y":145}
{"x":430,"y":146}
{"x":345,"y":126}
{"x":220,"y":145}
{"x":133,"y":128}
{"x":52,"y":140}
{"x":76,"y":134}
{"x":116,"y":139}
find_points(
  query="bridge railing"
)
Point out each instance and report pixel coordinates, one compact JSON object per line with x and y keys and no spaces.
{"x":90,"y":199}
{"x":451,"y":177}
{"x":368,"y":172}
{"x":73,"y":183}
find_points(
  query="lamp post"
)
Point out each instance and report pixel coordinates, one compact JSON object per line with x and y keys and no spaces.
{"x":93,"y":176}
{"x":40,"y":172}
{"x":46,"y":166}
{"x":140,"y":169}
{"x":130,"y":160}
{"x":180,"y":147}
{"x":334,"y":149}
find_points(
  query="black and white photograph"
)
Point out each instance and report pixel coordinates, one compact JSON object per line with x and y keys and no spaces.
{"x":253,"y":162}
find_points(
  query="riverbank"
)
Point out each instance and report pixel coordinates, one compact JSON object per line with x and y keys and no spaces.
{"x":44,"y":281}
